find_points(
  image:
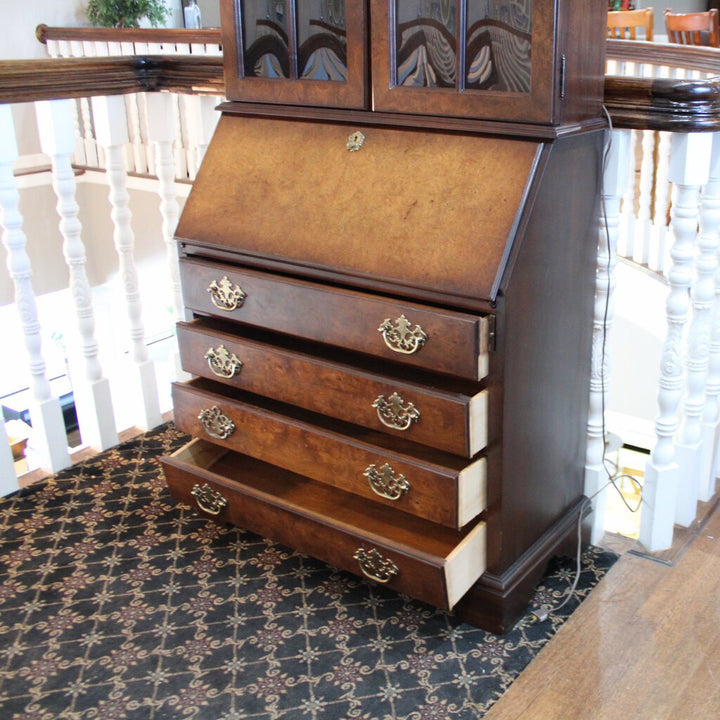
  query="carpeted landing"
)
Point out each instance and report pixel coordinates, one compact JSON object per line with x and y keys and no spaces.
{"x":115,"y":602}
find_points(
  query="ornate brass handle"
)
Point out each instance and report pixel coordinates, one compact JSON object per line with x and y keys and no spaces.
{"x":209,"y":500}
{"x":355,"y":141}
{"x":225,"y":295}
{"x":375,"y":566}
{"x":393,"y":414}
{"x":216,"y":424}
{"x":385,"y":483}
{"x":399,"y":336}
{"x":222,"y":362}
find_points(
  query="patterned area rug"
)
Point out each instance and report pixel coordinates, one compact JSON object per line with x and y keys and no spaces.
{"x":116,"y":602}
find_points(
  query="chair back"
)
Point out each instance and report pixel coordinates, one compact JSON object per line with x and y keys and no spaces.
{"x":700,"y":28}
{"x":623,"y":24}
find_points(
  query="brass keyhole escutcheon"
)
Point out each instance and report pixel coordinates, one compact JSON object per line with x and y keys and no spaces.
{"x":355,"y":141}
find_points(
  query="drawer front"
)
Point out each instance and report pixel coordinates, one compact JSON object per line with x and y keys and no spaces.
{"x":451,"y":494}
{"x":443,"y":341}
{"x":423,"y":560}
{"x":452,"y":422}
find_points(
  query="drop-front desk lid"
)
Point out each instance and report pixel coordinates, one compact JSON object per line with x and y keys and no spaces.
{"x":417,"y":209}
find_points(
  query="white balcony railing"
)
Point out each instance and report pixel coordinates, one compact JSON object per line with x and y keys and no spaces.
{"x":660,"y":199}
{"x":662,"y":163}
{"x":90,"y":341}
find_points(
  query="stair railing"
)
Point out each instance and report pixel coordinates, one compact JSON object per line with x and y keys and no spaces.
{"x":661,"y":205}
{"x":51,"y":86}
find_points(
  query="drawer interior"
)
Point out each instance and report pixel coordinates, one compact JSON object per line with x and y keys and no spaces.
{"x":458,"y":556}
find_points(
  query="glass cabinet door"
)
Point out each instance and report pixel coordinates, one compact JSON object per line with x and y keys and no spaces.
{"x":309,"y":52}
{"x":490,"y":59}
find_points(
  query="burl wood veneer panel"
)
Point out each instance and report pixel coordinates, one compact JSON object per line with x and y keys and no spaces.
{"x":417,"y":208}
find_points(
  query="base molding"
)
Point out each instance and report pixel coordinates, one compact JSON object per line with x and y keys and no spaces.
{"x":496,"y":602}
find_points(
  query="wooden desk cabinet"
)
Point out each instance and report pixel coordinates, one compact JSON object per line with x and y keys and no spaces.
{"x":392,"y":312}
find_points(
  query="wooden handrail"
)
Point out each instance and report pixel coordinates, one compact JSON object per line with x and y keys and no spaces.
{"x":690,"y":57}
{"x":205,"y":36}
{"x":643,"y":103}
{"x":663,"y":103}
{"x":57,"y":78}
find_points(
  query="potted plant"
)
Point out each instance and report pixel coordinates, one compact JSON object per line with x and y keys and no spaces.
{"x":126,"y":13}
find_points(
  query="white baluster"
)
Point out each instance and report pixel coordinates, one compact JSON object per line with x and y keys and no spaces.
{"x":658,"y":260}
{"x":111,"y":129}
{"x":144,"y":134}
{"x":615,"y":179}
{"x":138,"y":155}
{"x":180,"y":144}
{"x":93,"y":157}
{"x":710,"y":224}
{"x":202,"y":118}
{"x":80,"y":157}
{"x":91,"y":389}
{"x":53,"y":48}
{"x":49,"y":438}
{"x":643,"y":226}
{"x":626,"y":239}
{"x":161,"y":131}
{"x":689,"y":167}
{"x":689,"y":444}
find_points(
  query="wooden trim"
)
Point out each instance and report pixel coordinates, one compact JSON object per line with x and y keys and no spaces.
{"x":206,"y":36}
{"x":198,"y":75}
{"x":663,"y":103}
{"x":59,"y":78}
{"x":54,"y":79}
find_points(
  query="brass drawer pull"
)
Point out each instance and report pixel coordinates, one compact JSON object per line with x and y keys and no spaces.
{"x":207,"y":499}
{"x":222,"y":362}
{"x":400,"y":338}
{"x":225,"y":295}
{"x":393,"y":414}
{"x":385,"y":483}
{"x":375,"y":566}
{"x":216,"y":424}
{"x":355,"y":141}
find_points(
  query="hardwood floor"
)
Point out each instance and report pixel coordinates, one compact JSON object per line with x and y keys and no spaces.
{"x":644,"y":646}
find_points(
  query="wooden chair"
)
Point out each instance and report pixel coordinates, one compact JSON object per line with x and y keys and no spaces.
{"x":623,"y":24}
{"x":701,"y":28}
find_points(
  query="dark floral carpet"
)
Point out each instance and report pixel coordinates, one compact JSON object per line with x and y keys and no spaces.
{"x":116,"y":602}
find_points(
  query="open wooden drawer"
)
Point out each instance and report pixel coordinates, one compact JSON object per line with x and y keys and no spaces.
{"x":424,"y":560}
{"x":421,"y":481}
{"x":451,"y":417}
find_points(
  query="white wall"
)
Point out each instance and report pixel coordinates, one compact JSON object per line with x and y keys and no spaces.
{"x":21,"y":17}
